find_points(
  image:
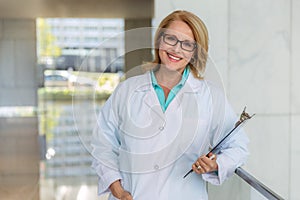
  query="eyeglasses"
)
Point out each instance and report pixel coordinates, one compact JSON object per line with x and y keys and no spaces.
{"x":185,"y":45}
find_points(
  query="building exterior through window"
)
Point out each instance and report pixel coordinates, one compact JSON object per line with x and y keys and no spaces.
{"x":99,"y":43}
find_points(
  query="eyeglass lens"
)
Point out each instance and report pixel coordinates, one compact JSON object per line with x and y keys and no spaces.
{"x":172,"y":40}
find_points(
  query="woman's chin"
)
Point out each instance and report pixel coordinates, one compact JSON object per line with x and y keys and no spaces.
{"x":173,"y":68}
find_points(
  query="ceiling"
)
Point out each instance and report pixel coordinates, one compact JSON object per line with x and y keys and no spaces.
{"x":77,"y":8}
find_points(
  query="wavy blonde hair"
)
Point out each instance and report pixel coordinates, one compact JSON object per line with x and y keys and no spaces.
{"x":198,"y":61}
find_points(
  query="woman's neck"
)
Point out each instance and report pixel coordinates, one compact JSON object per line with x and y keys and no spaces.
{"x":168,"y":78}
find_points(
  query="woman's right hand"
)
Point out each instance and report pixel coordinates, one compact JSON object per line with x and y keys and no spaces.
{"x":118,"y":191}
{"x":126,"y":196}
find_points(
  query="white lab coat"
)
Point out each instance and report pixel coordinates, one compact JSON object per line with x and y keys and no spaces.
{"x":151,"y":150}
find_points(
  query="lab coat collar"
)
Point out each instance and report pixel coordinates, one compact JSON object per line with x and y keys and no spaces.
{"x":191,"y":87}
{"x":145,"y":83}
{"x":192,"y":84}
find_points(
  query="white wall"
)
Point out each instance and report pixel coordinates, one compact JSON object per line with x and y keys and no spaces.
{"x":256,"y":47}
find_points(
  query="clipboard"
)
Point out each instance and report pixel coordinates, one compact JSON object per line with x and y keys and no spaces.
{"x":243,"y":118}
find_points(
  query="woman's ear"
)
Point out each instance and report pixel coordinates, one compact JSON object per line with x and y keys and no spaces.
{"x":193,"y":59}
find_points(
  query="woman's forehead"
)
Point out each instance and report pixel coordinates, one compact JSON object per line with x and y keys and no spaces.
{"x":180,"y":29}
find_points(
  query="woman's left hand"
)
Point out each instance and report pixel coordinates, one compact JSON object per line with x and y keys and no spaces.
{"x":205,"y":164}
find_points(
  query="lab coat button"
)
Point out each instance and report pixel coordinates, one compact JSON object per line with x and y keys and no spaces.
{"x":161,"y":128}
{"x":156,"y":167}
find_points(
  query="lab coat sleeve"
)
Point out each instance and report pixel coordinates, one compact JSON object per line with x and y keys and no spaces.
{"x":105,"y":144}
{"x":233,"y":154}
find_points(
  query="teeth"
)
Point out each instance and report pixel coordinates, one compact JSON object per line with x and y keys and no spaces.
{"x":173,"y":57}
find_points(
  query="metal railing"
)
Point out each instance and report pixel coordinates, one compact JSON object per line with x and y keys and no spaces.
{"x":256,"y":184}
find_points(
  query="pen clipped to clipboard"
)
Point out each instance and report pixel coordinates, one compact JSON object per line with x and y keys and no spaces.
{"x":243,"y":118}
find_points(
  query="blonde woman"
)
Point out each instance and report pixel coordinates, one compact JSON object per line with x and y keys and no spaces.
{"x":157,"y":126}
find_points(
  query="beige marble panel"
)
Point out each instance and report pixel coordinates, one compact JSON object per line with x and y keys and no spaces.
{"x":25,"y":59}
{"x":259,"y":55}
{"x":19,"y":158}
{"x":295,"y":42}
{"x":18,"y":62}
{"x":295,"y":157}
{"x":7,"y":64}
{"x":18,"y":28}
{"x":269,"y":158}
{"x":234,"y":189}
{"x":1,"y":29}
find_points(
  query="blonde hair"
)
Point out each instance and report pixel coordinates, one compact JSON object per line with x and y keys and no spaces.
{"x":198,"y":61}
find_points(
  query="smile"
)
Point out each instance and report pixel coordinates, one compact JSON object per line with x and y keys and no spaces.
{"x":173,"y":57}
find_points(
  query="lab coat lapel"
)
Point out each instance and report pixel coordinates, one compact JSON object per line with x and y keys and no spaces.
{"x":189,"y":90}
{"x":151,"y":99}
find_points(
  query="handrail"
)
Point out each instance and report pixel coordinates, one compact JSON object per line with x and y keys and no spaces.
{"x":256,"y":184}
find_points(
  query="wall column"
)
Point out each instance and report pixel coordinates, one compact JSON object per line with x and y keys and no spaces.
{"x":138,"y":42}
{"x":19,"y":152}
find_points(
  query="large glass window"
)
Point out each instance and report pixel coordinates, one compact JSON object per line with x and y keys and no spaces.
{"x":81,"y":60}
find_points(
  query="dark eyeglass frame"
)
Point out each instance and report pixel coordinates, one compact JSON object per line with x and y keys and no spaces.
{"x":181,"y":42}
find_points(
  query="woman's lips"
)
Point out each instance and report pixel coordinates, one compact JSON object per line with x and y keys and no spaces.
{"x":173,"y":57}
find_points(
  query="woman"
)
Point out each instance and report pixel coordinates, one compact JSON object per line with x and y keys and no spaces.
{"x":154,"y":127}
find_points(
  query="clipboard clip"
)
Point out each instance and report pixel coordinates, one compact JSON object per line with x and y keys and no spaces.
{"x":243,"y":117}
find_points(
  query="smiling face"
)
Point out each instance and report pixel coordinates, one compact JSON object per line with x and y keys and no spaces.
{"x":174,"y":58}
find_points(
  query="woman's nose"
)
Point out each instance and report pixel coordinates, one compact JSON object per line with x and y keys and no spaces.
{"x":177,"y":47}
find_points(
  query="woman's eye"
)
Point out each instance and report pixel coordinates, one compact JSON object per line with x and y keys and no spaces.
{"x":188,"y":44}
{"x":171,"y":38}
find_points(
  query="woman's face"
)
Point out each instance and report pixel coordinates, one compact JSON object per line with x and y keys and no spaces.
{"x":174,"y":57}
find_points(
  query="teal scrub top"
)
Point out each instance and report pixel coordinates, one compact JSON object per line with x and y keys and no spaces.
{"x":160,"y":92}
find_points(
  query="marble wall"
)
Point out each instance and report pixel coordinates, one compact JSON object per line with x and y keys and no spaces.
{"x":259,"y":77}
{"x":295,"y":101}
{"x":256,"y":48}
